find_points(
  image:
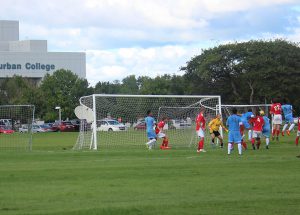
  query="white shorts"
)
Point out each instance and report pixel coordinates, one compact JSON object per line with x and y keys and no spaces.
{"x":298,"y":133}
{"x":161,"y":135}
{"x":200,"y":133}
{"x":277,"y":119}
{"x":256,"y":134}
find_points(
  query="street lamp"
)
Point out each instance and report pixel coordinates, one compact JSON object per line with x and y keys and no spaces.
{"x":59,"y":112}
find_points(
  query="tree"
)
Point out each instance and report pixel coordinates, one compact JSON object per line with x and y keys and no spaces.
{"x":63,"y":89}
{"x":248,"y":72}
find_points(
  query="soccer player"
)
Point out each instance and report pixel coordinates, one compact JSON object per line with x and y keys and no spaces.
{"x":150,"y":122}
{"x":287,"y":110}
{"x":258,"y":123}
{"x":160,"y":134}
{"x":245,"y":120}
{"x":298,"y":132}
{"x":200,"y":129}
{"x":234,"y":135}
{"x":214,"y":126}
{"x":277,"y":118}
{"x":266,"y":128}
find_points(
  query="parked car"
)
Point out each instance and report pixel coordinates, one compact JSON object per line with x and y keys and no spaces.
{"x":6,"y":130}
{"x":110,"y":125}
{"x":63,"y":126}
{"x":76,"y":123}
{"x":36,"y":128}
{"x":6,"y":122}
{"x":140,"y":126}
{"x":179,"y":124}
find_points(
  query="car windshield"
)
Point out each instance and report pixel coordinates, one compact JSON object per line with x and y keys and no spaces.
{"x":112,"y":122}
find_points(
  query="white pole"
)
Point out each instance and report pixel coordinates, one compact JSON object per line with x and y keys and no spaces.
{"x":95,"y":123}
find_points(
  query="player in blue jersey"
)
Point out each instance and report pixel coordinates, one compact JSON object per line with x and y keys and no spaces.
{"x":266,"y":128}
{"x":150,"y":123}
{"x":287,"y":110}
{"x":234,"y":135}
{"x":245,"y":120}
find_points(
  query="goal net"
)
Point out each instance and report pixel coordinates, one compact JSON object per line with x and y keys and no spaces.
{"x":12,"y":119}
{"x":119,"y":119}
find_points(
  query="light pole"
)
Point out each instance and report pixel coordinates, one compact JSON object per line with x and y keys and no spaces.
{"x":59,"y":112}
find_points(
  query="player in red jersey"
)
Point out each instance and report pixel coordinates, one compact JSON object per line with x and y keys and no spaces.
{"x":258,"y":122}
{"x":200,"y":129}
{"x":275,"y":111}
{"x":160,"y":134}
{"x":298,"y":132}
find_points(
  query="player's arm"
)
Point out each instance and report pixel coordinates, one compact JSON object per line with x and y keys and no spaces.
{"x":224,"y":127}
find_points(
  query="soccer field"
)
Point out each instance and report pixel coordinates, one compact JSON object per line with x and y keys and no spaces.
{"x":53,"y":179}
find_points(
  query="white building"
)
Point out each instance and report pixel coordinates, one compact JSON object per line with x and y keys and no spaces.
{"x":31,"y":59}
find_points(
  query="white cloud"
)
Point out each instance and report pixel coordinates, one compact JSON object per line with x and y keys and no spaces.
{"x":110,"y":65}
{"x":148,"y":37}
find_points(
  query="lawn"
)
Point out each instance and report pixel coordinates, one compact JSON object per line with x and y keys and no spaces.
{"x":53,"y":179}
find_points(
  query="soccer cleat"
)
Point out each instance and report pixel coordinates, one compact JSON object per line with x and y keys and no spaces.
{"x":282,"y":133}
{"x":267,"y":147}
{"x":288,"y":132}
{"x":198,"y":150}
{"x":253,"y":147}
{"x":202,"y":150}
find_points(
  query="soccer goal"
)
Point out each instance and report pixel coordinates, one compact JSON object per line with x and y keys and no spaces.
{"x":118,"y":120}
{"x":12,"y":118}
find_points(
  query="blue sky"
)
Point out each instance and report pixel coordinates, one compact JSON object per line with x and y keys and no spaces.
{"x":149,"y":37}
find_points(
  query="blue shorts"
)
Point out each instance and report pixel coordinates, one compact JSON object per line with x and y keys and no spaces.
{"x":234,"y":137}
{"x":246,"y":123}
{"x":266,"y":133}
{"x":289,"y":119}
{"x":151,"y":135}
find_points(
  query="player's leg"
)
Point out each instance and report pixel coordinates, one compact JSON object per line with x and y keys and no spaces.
{"x":221,"y":140}
{"x":254,"y":136}
{"x":284,"y":128}
{"x":201,"y":141}
{"x":292,"y":125}
{"x":266,"y":134}
{"x":297,"y":138}
{"x":152,"y":139}
{"x":161,"y":135}
{"x":258,"y":141}
{"x":212,"y":135}
{"x":237,"y":139}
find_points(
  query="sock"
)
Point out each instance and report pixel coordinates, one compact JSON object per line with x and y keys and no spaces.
{"x":291,"y":126}
{"x":201,"y":144}
{"x":297,"y":140}
{"x":252,"y":141}
{"x":244,"y":144}
{"x":284,"y":127}
{"x":277,"y":132}
{"x":165,"y":142}
{"x":240,"y":148}
{"x":213,"y":140}
{"x":249,"y":134}
{"x":273,"y":132}
{"x":152,"y":142}
{"x":258,"y":144}
{"x":267,"y":141}
{"x":229,"y":148}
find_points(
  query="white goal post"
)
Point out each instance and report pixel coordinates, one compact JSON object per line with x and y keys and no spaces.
{"x":119,"y":119}
{"x":12,"y":119}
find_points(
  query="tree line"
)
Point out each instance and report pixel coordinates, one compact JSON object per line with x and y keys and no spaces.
{"x":242,"y":73}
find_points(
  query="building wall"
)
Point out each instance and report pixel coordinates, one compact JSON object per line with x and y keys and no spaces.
{"x":38,"y":64}
{"x":31,"y":59}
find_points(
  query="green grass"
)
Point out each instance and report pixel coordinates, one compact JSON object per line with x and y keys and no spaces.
{"x":52,"y":179}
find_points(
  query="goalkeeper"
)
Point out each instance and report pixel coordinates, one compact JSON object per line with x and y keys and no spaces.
{"x":214,"y":127}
